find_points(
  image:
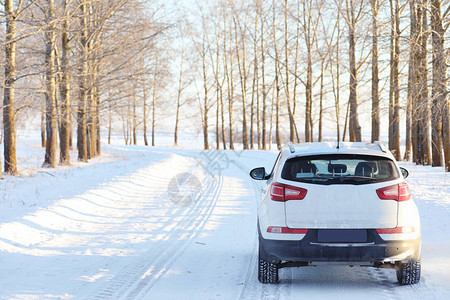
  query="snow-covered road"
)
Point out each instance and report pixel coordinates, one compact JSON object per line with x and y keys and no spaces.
{"x":122,"y":227}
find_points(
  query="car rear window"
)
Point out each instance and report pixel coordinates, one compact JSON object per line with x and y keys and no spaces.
{"x":339,"y":169}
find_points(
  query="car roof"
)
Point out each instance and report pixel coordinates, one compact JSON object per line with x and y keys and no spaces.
{"x":319,"y":148}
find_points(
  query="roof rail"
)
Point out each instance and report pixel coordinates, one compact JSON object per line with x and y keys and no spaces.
{"x":380,"y":145}
{"x":291,"y":147}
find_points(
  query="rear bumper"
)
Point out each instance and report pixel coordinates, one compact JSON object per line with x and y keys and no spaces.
{"x":310,"y":251}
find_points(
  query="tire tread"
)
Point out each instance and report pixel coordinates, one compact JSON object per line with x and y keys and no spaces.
{"x":409,"y":273}
{"x":267,"y":272}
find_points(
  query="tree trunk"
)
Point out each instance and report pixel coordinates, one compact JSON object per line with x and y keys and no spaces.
{"x":243,"y":83}
{"x":375,"y":79}
{"x":277,"y":82}
{"x":336,"y":87}
{"x":43,"y":137}
{"x":134,"y":119}
{"x":82,"y":105}
{"x":439,"y":84}
{"x":64,"y":134}
{"x":255,"y":89}
{"x":416,"y":28}
{"x":346,"y":121}
{"x":206,"y":99}
{"x":408,"y":115}
{"x":144,"y":93}
{"x":296,"y":64}
{"x":51,"y":122}
{"x":354,"y":127}
{"x":9,"y":128}
{"x":411,"y":82}
{"x":252,"y":106}
{"x":446,"y":133}
{"x":154,"y":112}
{"x":271,"y":119}
{"x":322,"y":69}
{"x":177,"y":114}
{"x":230,"y":84}
{"x":217,"y":119}
{"x":308,"y":95}
{"x":91,"y":125}
{"x":218,"y":93}
{"x":222,"y":117}
{"x":263,"y":81}
{"x":109,"y":122}
{"x":394,"y":95}
{"x":287,"y":70}
{"x":97,"y":109}
{"x":424,"y":109}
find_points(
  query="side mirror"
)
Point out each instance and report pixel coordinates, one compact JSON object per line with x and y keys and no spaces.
{"x":405,"y":172}
{"x":258,"y":173}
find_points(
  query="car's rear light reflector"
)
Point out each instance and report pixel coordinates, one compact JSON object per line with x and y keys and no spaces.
{"x":401,"y":229}
{"x":284,"y":192}
{"x":398,"y":192}
{"x":404,"y":193}
{"x":279,"y":229}
{"x":277,"y":191}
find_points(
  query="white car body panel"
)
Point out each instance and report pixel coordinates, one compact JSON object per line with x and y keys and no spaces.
{"x":341,"y":206}
{"x":336,"y":206}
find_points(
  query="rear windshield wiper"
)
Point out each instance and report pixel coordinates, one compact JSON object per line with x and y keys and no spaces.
{"x":311,"y":179}
{"x":358,"y":179}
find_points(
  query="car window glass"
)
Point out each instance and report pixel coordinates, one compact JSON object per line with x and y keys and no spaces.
{"x":340,"y":169}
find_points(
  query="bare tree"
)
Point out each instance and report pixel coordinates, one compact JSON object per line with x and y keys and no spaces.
{"x":263,"y":77}
{"x":277,"y":80}
{"x":82,"y":145}
{"x":309,"y":27}
{"x":66,"y":113}
{"x":228,"y":69}
{"x":353,"y":14}
{"x":335,"y":57}
{"x":394,"y":90}
{"x":420,"y":107}
{"x":205,"y":106}
{"x":9,"y":90}
{"x":50,"y":114}
{"x":241,"y":60}
{"x":144,"y":110}
{"x":287,"y":70}
{"x":375,"y":6}
{"x":180,"y":90}
{"x":439,"y":89}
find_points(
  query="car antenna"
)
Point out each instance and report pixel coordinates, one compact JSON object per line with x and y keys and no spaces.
{"x":338,"y":146}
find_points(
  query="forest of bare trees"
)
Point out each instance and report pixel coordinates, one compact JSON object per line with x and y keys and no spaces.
{"x":247,"y":74}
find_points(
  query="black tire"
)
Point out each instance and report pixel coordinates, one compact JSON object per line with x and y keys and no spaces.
{"x":409,"y":273}
{"x":267,"y":272}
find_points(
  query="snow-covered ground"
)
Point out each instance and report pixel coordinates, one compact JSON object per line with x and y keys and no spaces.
{"x":174,"y":223}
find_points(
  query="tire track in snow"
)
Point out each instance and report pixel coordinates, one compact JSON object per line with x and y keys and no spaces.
{"x":162,"y":264}
{"x":252,"y":288}
{"x":139,"y":277}
{"x":392,"y":289}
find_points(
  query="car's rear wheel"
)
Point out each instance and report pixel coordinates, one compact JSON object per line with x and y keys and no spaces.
{"x":267,"y":272}
{"x":409,"y":273}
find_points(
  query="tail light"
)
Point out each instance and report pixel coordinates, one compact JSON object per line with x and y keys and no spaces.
{"x":279,"y":229}
{"x":283,"y":192}
{"x":402,"y":229}
{"x":398,"y":192}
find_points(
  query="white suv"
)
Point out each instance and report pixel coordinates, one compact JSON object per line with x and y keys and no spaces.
{"x":346,"y":203}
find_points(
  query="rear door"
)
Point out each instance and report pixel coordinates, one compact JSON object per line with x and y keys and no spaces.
{"x":341,"y":192}
{"x":341,"y":207}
